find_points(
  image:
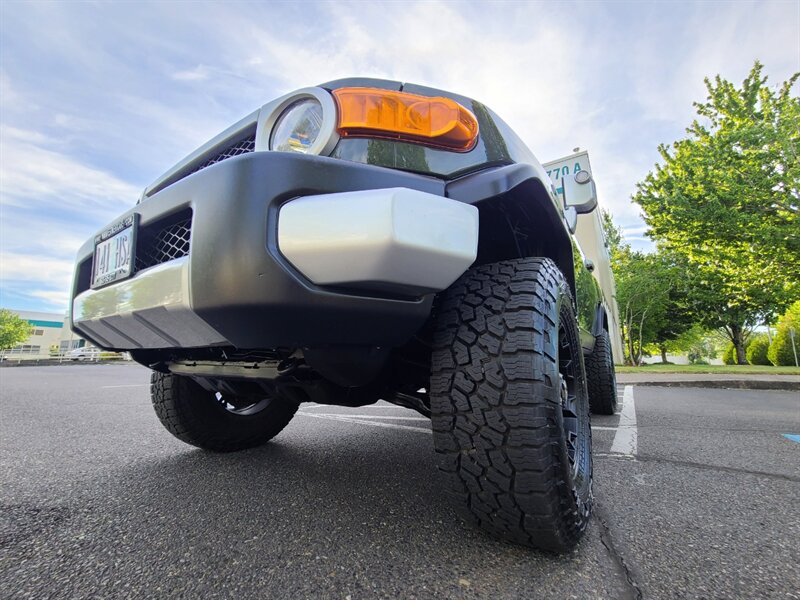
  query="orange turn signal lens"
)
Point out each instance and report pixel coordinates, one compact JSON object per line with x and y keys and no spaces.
{"x":440,"y":122}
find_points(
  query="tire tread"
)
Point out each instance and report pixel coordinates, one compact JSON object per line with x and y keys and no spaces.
{"x":188,"y":412}
{"x":496,"y":426}
{"x":601,"y":379}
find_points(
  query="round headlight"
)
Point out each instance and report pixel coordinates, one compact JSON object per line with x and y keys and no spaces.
{"x":298,"y":127}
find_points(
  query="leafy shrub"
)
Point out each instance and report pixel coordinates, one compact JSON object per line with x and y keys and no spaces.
{"x":757,"y":351}
{"x":780,"y":352}
{"x":729,"y":356}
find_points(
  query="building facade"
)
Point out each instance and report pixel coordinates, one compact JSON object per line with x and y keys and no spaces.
{"x":50,"y":336}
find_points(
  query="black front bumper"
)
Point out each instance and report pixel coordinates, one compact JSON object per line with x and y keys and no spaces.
{"x":239,"y":286}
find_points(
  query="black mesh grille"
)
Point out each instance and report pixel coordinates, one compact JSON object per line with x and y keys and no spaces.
{"x":164,"y":241}
{"x":242,"y":147}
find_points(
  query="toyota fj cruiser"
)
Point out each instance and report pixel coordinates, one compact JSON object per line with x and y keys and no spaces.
{"x":368,"y":239}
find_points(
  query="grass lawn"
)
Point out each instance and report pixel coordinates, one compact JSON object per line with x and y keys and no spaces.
{"x":722,"y":369}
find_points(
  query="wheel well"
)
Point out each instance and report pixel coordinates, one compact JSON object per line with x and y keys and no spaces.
{"x":524,"y":223}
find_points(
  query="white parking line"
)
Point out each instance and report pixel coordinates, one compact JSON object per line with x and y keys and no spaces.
{"x":369,"y":406}
{"x":394,"y":418}
{"x":625,"y":441}
{"x":364,"y":422}
{"x":349,"y":416}
{"x":108,"y":387}
{"x":613,"y":455}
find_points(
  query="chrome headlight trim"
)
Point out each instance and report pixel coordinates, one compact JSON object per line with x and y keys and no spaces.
{"x":270,"y":113}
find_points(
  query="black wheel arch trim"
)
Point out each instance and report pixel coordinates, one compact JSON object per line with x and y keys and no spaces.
{"x":600,"y":320}
{"x":528,"y":212}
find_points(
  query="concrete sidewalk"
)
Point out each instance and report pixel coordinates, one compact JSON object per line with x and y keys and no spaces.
{"x":713,"y":380}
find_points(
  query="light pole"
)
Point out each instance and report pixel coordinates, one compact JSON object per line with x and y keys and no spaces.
{"x":794,"y":348}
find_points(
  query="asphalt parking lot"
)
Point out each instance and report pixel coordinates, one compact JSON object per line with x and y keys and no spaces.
{"x":697,"y":497}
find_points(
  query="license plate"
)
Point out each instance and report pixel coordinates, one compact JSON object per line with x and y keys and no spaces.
{"x":114,"y":251}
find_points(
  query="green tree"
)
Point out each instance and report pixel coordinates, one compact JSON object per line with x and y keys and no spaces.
{"x":677,"y":316}
{"x":614,"y":239}
{"x":650,"y":294}
{"x":643,"y":298}
{"x":727,"y":200}
{"x":13,"y":329}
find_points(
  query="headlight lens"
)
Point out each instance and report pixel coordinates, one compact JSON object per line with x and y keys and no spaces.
{"x":298,"y":127}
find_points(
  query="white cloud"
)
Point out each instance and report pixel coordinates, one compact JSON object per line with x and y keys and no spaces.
{"x":73,"y":123}
{"x":30,"y":173}
{"x":51,"y":202}
{"x":26,"y":267}
{"x":43,"y":236}
{"x":38,"y":276}
{"x":11,"y":99}
{"x":198,"y":73}
{"x":59,"y":300}
{"x":711,"y":42}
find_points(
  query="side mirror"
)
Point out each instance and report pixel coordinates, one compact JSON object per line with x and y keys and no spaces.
{"x":580,"y":192}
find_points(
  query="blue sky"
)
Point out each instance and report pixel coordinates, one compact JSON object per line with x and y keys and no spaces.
{"x":97,"y":99}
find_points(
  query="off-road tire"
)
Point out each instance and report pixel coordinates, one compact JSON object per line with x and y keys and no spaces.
{"x":601,"y":377}
{"x":195,"y":416}
{"x":497,"y":416}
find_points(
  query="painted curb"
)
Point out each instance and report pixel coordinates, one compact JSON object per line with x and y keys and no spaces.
{"x":736,"y":384}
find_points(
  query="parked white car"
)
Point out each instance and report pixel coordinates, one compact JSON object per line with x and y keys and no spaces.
{"x":85,"y":353}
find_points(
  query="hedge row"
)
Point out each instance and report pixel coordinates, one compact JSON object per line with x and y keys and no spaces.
{"x":780,"y":352}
